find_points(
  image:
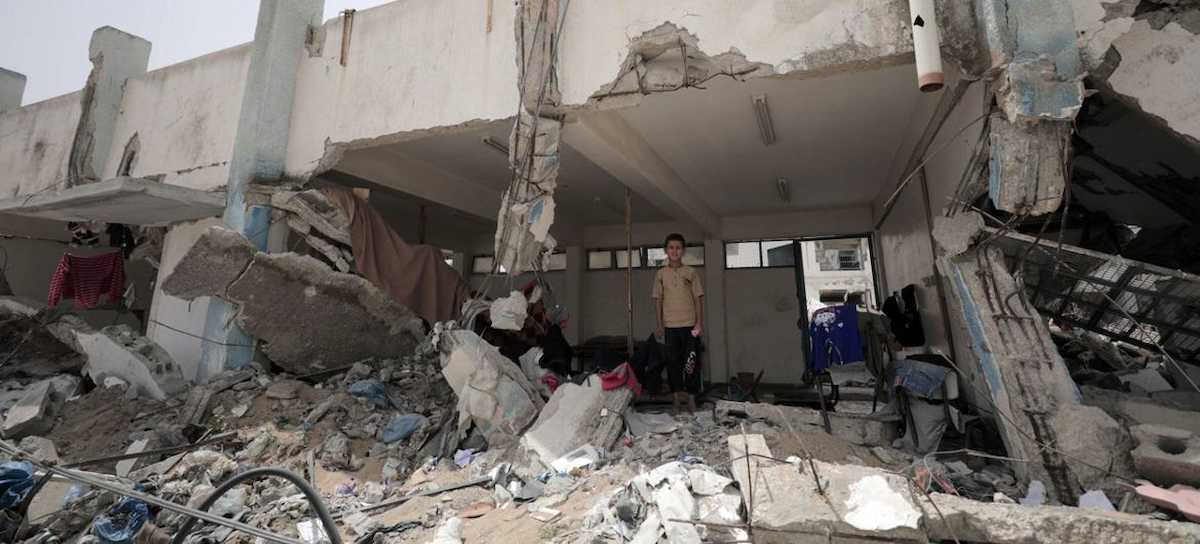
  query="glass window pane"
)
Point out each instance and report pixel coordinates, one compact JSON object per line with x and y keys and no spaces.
{"x":599,"y":260}
{"x":482,"y":265}
{"x":778,"y":253}
{"x":558,"y":261}
{"x":657,"y":257}
{"x":693,"y":256}
{"x":742,"y":255}
{"x":622,"y":258}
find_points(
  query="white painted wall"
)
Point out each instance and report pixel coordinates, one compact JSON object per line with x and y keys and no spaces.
{"x":35,"y":142}
{"x":168,"y":312}
{"x":185,"y":116}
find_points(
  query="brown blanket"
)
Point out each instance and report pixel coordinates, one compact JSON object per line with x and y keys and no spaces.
{"x":416,"y":276}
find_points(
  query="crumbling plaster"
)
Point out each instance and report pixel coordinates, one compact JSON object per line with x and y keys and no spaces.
{"x":35,"y":142}
{"x":382,"y":97}
{"x":1153,"y":66}
{"x":185,"y":116}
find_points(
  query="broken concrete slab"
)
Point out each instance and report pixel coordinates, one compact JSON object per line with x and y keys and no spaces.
{"x":119,"y":352}
{"x":1028,"y":383}
{"x":32,"y":415}
{"x":41,"y":448}
{"x":493,"y":392}
{"x":125,"y":466}
{"x":864,"y":430}
{"x":786,"y":499}
{"x":577,"y":415}
{"x":315,"y":210}
{"x":301,"y":309}
{"x":1166,"y":455}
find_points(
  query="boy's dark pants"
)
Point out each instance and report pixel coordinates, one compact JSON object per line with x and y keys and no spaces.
{"x":679,"y":342}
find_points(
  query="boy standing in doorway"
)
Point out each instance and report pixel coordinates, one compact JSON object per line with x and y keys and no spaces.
{"x":679,"y":303}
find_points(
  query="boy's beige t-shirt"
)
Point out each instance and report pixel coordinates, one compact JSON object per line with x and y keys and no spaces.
{"x":677,"y":286}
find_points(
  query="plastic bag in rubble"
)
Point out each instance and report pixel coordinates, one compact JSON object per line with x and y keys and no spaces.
{"x":373,"y":391}
{"x":16,"y":479}
{"x":449,"y":532}
{"x":401,"y":427}
{"x":122,"y":522}
{"x":509,"y":313}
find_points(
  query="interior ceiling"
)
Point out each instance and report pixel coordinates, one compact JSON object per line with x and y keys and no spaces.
{"x":835,"y":138}
{"x":585,"y":191}
{"x":835,"y":141}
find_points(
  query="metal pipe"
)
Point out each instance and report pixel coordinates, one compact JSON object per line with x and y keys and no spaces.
{"x":629,"y":271}
{"x":926,"y":45}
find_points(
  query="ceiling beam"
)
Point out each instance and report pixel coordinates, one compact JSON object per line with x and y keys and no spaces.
{"x":606,"y":139}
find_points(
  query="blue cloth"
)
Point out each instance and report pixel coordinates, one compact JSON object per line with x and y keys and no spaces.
{"x":16,"y":479}
{"x":401,"y":427}
{"x":373,"y":391}
{"x":835,"y":339}
{"x":122,"y":522}
{"x":919,"y":378}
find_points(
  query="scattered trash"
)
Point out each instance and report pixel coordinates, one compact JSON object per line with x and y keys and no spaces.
{"x":373,"y":391}
{"x":16,"y":479}
{"x":583,"y":456}
{"x":402,"y":427}
{"x":121,"y":523}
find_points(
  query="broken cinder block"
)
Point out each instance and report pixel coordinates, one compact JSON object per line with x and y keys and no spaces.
{"x":577,"y":415}
{"x":1166,"y":455}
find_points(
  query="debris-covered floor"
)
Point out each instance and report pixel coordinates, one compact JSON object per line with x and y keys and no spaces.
{"x":454,"y":442}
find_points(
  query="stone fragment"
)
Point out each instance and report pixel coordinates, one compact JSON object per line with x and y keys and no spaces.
{"x":1181,"y":498}
{"x":577,"y":415}
{"x":1166,"y":455}
{"x":32,"y":414}
{"x":119,"y":352}
{"x":493,"y":392}
{"x":41,"y":448}
{"x":284,"y":389}
{"x":125,"y":466}
{"x":301,"y":309}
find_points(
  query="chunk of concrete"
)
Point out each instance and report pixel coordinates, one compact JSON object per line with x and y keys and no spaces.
{"x":492,"y":391}
{"x":302,"y":311}
{"x":785,"y":498}
{"x":784,"y":501}
{"x":119,"y":352}
{"x":41,"y":448}
{"x":1166,"y":455}
{"x":125,"y":466}
{"x":32,"y":415}
{"x":578,"y":415}
{"x":864,"y":430}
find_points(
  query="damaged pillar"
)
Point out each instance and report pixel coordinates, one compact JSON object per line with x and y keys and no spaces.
{"x":527,"y":208}
{"x":259,"y":150}
{"x":12,"y":89}
{"x":1039,"y":89}
{"x":116,"y":56}
{"x":1069,"y":447}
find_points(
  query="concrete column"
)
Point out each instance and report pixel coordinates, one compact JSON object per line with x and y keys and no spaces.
{"x":116,"y":56}
{"x":259,"y":150}
{"x":1070,"y":446}
{"x":574,"y":296}
{"x":12,"y":89}
{"x":716,"y":341}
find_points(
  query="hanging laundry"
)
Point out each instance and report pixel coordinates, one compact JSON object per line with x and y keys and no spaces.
{"x":86,"y":278}
{"x":835,"y":338}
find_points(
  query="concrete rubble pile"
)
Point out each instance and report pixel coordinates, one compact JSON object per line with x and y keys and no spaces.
{"x":447,"y":437}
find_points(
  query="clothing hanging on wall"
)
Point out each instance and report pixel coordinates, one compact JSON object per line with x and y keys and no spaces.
{"x":86,"y":278}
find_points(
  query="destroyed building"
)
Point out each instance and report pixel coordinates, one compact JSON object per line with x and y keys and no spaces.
{"x":318,"y":252}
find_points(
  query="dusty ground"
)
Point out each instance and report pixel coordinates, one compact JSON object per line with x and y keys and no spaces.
{"x":27,"y":351}
{"x":100,"y":424}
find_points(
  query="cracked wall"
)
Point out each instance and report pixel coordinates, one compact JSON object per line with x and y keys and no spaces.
{"x":1148,"y":53}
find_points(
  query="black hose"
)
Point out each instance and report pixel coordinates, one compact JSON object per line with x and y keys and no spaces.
{"x":314,"y":500}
